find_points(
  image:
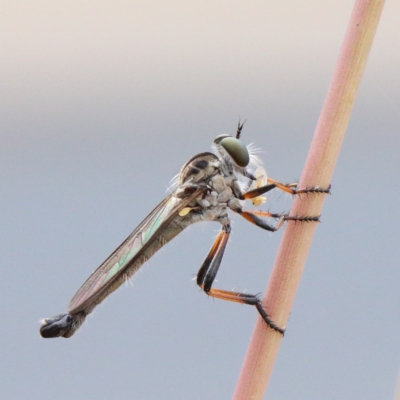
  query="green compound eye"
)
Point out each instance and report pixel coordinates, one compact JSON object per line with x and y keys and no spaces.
{"x":237,"y":150}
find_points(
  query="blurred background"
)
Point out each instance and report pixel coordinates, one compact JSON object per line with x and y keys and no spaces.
{"x":102,"y":103}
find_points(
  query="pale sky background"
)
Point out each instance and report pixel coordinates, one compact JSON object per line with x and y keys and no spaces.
{"x":101,"y":104}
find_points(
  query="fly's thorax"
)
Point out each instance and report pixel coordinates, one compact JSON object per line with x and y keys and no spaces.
{"x":237,"y":190}
{"x":218,"y":213}
{"x":226,"y":186}
{"x":227,"y":189}
{"x":208,"y":201}
{"x":222,"y":190}
{"x":199,"y":168}
{"x":218,"y":183}
{"x":219,"y":179}
{"x":218,"y":193}
{"x":235,"y":204}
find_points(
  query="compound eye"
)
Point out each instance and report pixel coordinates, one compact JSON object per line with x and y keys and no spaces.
{"x":237,"y":150}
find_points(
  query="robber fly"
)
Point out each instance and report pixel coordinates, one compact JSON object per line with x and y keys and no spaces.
{"x":208,"y":186}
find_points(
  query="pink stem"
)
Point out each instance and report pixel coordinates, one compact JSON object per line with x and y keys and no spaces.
{"x":318,"y":170}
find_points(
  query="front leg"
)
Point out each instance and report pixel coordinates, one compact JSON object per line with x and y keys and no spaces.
{"x":288,"y":188}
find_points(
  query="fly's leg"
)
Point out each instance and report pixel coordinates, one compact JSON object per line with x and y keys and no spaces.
{"x":288,"y":188}
{"x":292,"y":188}
{"x":244,"y":298}
{"x":209,"y":269}
{"x":254,"y":218}
{"x":208,"y":272}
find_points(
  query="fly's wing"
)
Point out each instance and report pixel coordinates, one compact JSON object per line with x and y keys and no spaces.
{"x":142,"y":243}
{"x":114,"y":270}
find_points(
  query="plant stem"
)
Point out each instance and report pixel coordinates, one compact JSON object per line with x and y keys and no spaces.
{"x":318,"y":170}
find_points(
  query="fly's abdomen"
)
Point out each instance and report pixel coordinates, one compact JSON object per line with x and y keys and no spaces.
{"x":147,"y":250}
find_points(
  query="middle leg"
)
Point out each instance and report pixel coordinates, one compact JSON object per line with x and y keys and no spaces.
{"x":254,"y":218}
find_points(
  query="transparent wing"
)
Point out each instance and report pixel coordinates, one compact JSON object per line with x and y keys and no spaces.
{"x":115,"y":268}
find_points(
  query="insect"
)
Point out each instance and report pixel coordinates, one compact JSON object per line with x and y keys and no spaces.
{"x":208,"y":187}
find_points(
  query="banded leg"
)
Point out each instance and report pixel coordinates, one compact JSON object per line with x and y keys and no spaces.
{"x":208,"y":271}
{"x":244,"y":298}
{"x":288,"y":188}
{"x":253,"y":217}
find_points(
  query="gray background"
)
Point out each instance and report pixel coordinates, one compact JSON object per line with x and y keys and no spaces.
{"x":101,"y":104}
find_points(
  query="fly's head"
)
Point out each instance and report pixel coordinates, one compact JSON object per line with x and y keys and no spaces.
{"x":237,"y":160}
{"x":232,"y":151}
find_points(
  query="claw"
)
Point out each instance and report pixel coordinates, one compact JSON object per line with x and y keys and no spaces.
{"x":312,"y":218}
